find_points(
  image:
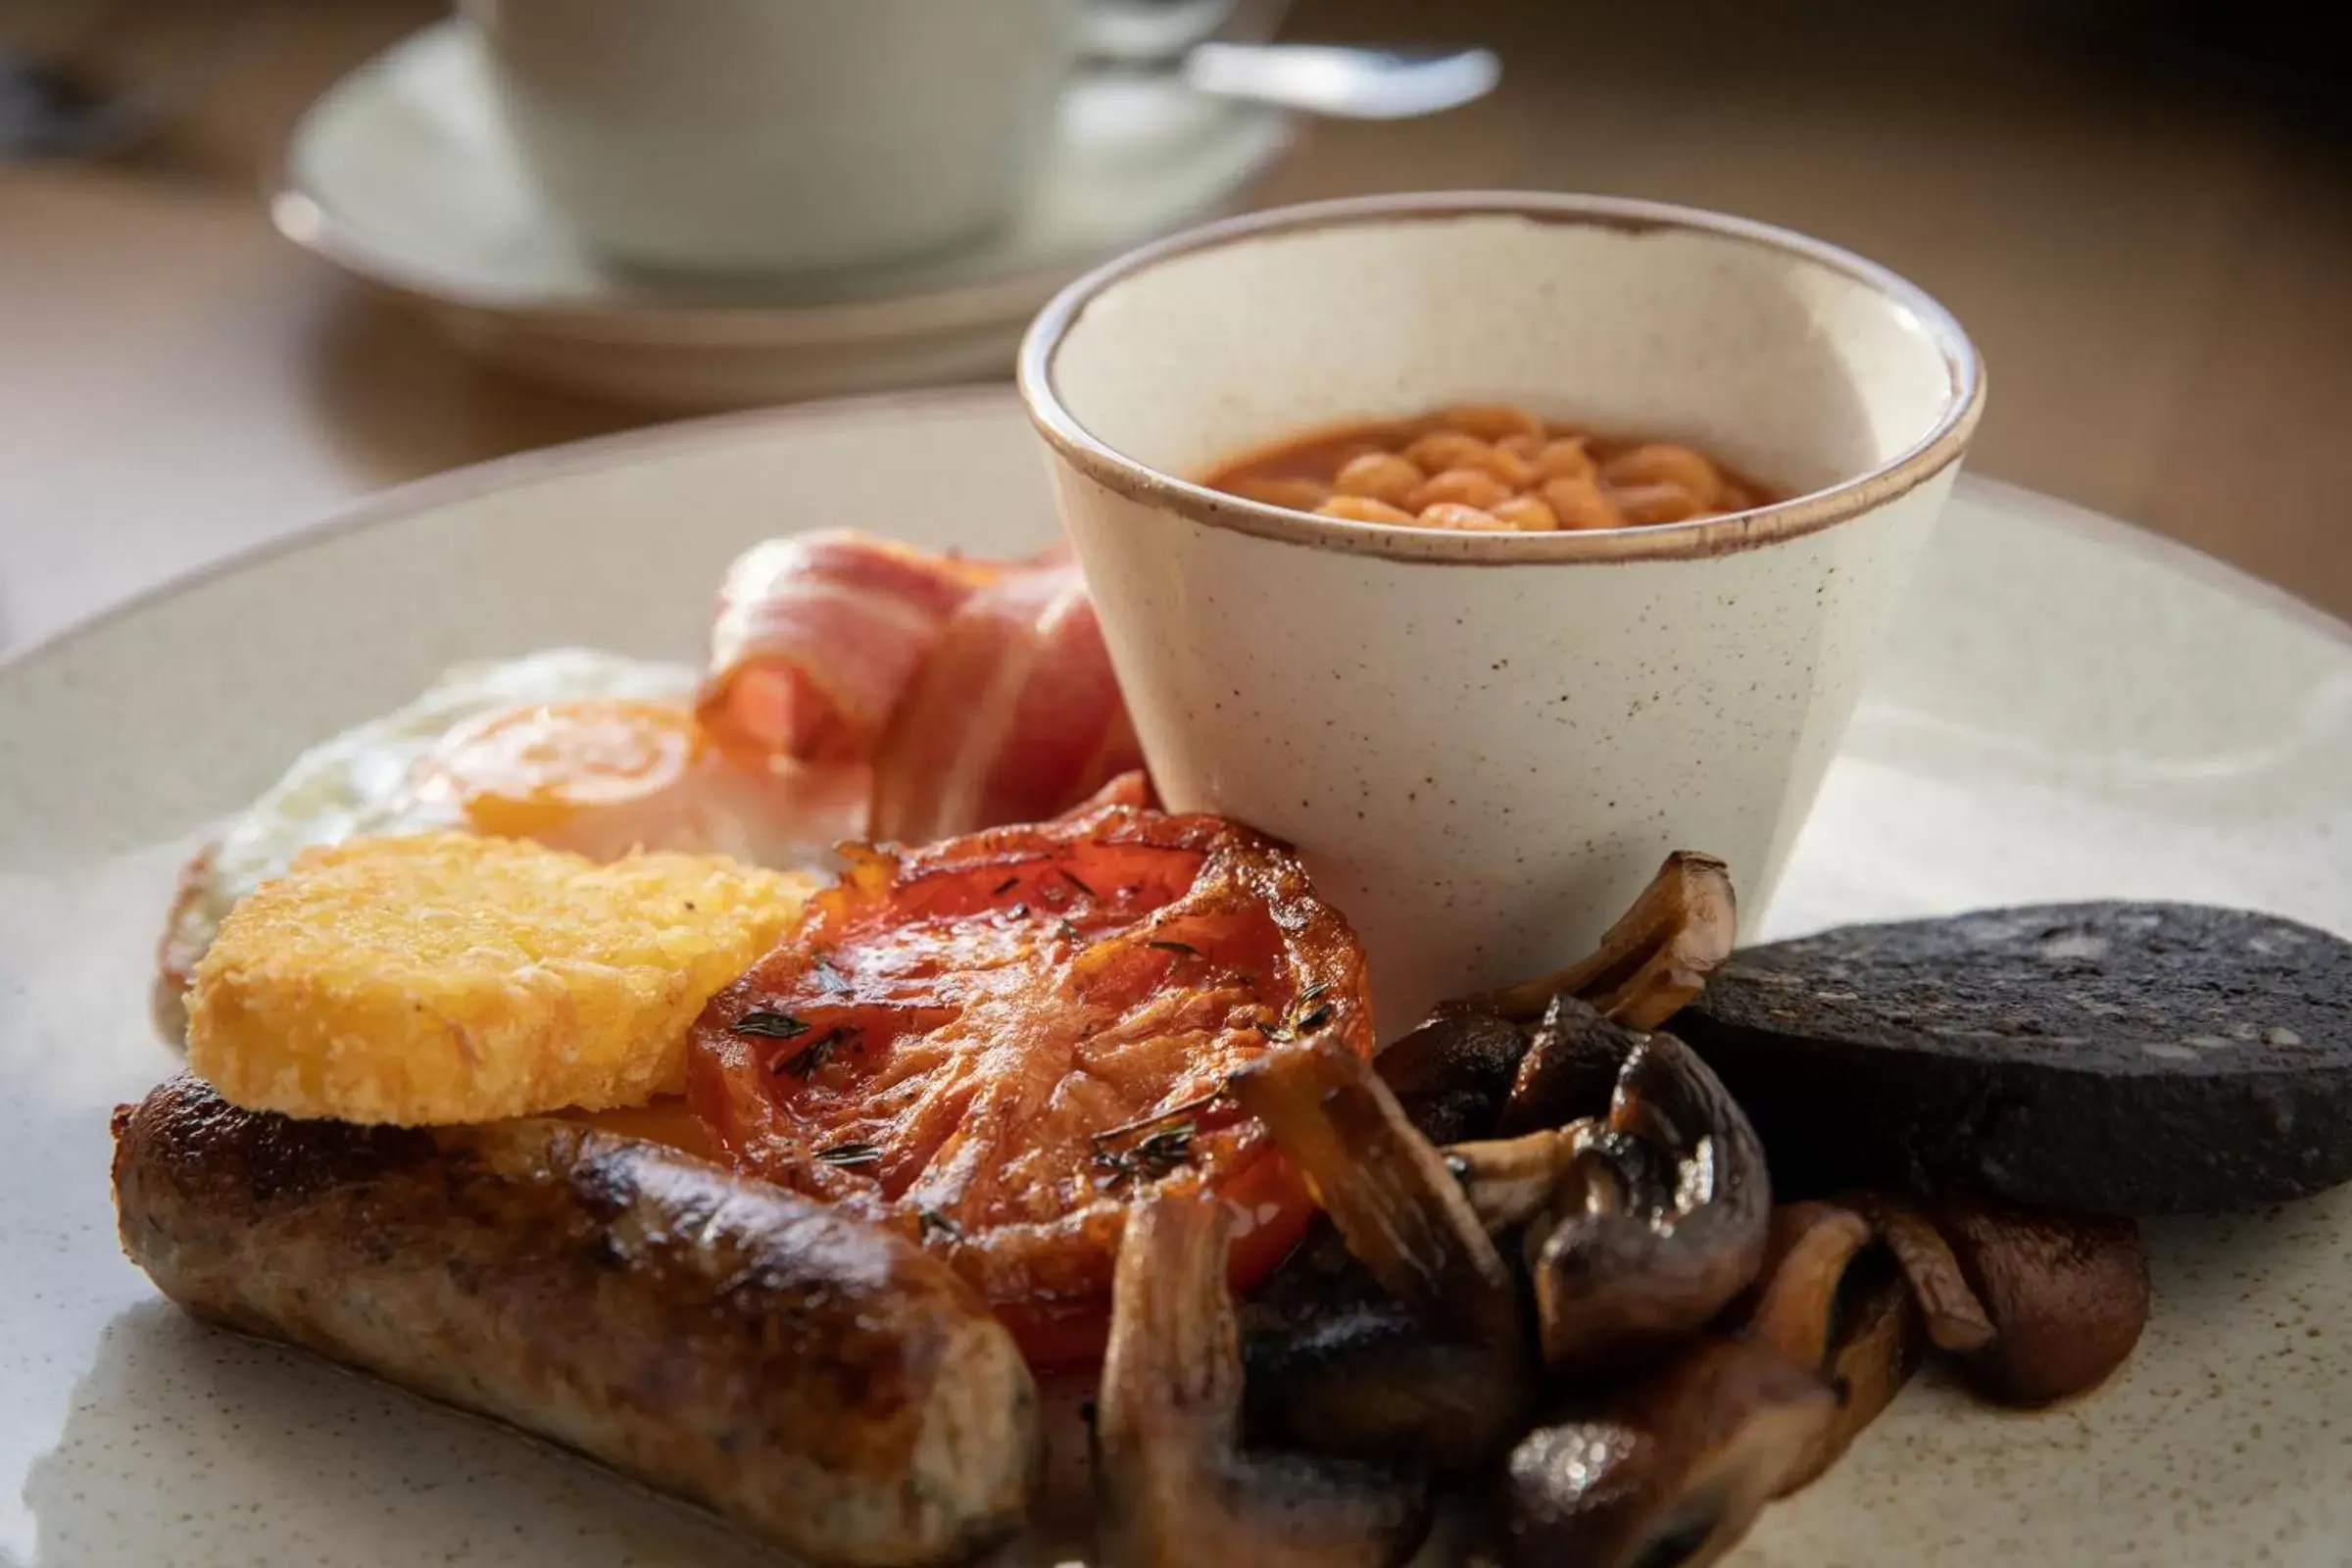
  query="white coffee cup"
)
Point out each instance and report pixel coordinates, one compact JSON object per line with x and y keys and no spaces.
{"x":1486,"y":743}
{"x":764,"y":137}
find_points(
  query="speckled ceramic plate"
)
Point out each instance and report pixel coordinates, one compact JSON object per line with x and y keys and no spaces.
{"x":2071,"y":710}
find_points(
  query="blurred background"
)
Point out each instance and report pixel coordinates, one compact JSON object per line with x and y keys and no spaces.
{"x":2138,"y":209}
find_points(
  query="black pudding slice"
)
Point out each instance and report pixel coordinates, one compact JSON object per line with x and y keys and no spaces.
{"x":2115,"y":1058}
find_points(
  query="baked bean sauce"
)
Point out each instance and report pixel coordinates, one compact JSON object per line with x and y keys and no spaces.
{"x":1489,"y":468}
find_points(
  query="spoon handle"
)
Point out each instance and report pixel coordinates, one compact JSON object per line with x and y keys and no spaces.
{"x":1344,"y":81}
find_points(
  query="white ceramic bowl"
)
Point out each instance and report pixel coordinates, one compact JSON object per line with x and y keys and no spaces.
{"x":1485,"y":743}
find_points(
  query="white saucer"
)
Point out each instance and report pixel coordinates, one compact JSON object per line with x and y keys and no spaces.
{"x":402,"y":175}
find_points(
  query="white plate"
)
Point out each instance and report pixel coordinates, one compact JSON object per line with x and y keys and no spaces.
{"x":401,"y":174}
{"x":2073,"y":710}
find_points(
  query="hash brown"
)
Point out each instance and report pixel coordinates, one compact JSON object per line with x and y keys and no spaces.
{"x":452,"y":978}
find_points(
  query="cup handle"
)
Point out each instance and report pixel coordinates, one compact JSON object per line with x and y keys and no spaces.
{"x":1159,"y":32}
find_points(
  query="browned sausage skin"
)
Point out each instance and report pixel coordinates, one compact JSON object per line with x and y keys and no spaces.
{"x":824,"y":1384}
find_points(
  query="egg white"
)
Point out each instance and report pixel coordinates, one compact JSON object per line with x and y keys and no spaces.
{"x":354,"y":785}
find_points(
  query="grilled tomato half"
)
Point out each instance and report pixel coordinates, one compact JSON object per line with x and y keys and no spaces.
{"x":997,"y":1042}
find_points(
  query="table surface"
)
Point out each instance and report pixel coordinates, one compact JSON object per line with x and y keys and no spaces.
{"x":2156,"y":276}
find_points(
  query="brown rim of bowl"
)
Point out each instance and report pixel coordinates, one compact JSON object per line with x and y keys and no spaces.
{"x":1810,"y":513}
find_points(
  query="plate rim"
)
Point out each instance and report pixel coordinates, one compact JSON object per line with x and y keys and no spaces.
{"x":384,"y":506}
{"x":308,"y":223}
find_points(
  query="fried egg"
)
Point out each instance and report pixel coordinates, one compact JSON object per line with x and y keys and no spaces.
{"x":571,"y":747}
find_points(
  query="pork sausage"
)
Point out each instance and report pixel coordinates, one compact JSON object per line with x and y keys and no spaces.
{"x":827,"y":1385}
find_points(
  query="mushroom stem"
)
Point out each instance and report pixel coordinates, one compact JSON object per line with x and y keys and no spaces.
{"x":1810,"y":1248}
{"x":1387,"y":1188}
{"x":1876,"y":1349}
{"x":1510,"y":1181}
{"x":1956,"y":1319}
{"x":1652,"y":961}
{"x":1830,"y":1302}
{"x":1170,"y":1485}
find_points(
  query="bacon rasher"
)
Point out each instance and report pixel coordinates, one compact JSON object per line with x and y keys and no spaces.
{"x":1014,"y":716}
{"x":818,"y":634}
{"x":979,"y":691}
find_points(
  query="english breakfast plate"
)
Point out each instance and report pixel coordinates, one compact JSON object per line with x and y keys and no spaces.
{"x":2070,"y":710}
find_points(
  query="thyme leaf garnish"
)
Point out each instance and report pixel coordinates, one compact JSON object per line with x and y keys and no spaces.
{"x":769,"y":1024}
{"x":1153,"y":1156}
{"x":1182,"y":1109}
{"x":804,"y":1062}
{"x":1005,"y":886}
{"x":1303,"y":1023}
{"x":849,"y":1154}
{"x":1164,"y":1150}
{"x":830,"y":978}
{"x":1185,"y":948}
{"x":1071,"y":877}
{"x":934,"y":1223}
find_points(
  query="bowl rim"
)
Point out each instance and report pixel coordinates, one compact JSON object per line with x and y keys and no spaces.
{"x":1940,"y":449}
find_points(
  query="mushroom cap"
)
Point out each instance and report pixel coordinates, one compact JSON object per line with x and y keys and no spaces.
{"x":1458,"y":1388}
{"x":1670,"y":1471}
{"x":1452,"y":1073}
{"x":1570,"y":1068}
{"x":1629,"y":1276}
{"x":2067,"y":1295}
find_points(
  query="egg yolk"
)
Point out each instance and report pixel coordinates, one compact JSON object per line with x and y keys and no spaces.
{"x":527,"y":771}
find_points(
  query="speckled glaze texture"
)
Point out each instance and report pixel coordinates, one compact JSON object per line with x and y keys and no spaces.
{"x":2065,"y":709}
{"x":1486,"y":743}
{"x":1483,"y":767}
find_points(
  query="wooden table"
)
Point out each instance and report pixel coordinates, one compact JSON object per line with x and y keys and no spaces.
{"x":2156,"y":277}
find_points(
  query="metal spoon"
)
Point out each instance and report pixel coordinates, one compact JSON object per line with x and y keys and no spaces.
{"x":1341,"y":81}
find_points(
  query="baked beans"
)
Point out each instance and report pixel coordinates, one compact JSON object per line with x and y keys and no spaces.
{"x":1487,"y":467}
